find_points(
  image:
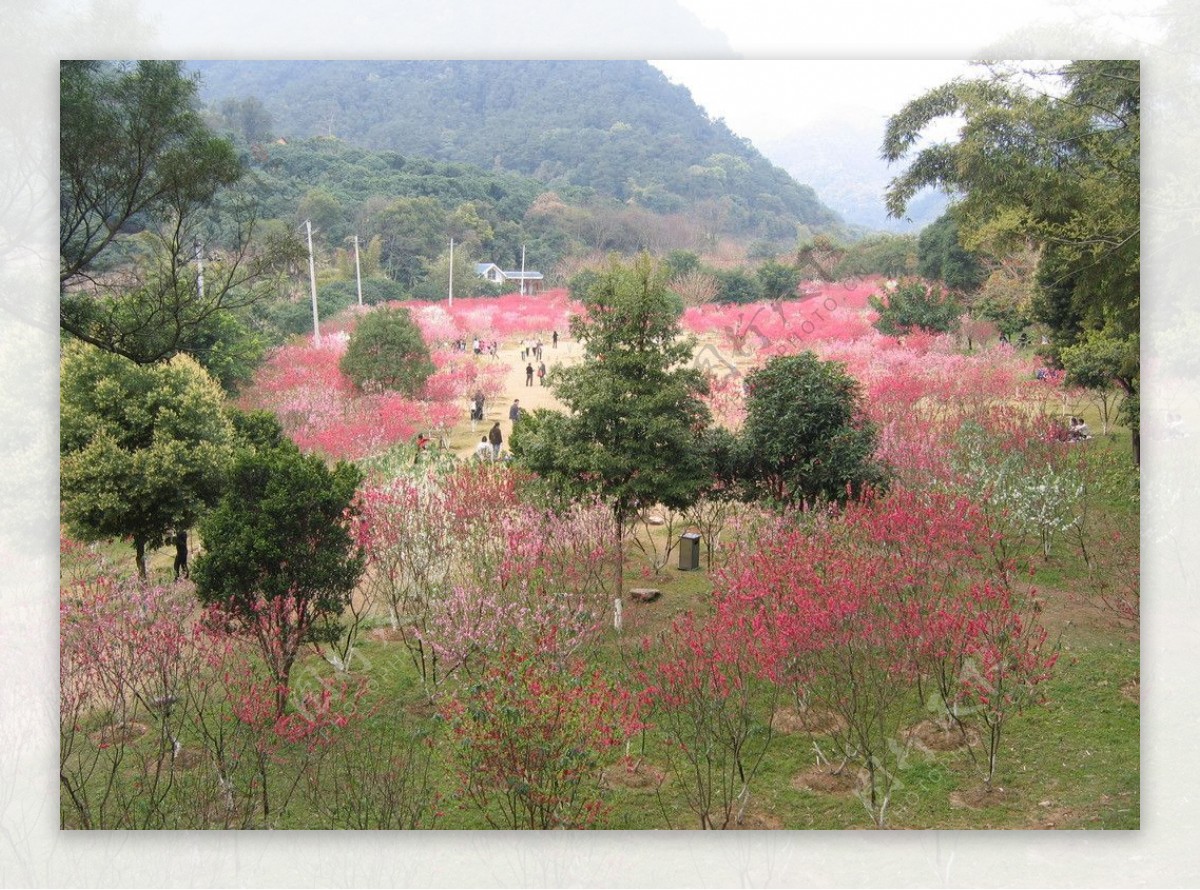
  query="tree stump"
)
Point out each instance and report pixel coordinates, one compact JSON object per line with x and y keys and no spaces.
{"x":644,"y":594}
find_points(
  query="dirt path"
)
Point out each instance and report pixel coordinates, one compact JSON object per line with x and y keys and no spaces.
{"x":464,"y":439}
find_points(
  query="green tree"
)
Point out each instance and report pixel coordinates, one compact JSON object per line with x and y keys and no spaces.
{"x":279,"y":557}
{"x":146,"y":196}
{"x":736,"y":286}
{"x":1098,"y":362}
{"x":1051,"y":158}
{"x":913,"y":304}
{"x":248,"y":118}
{"x":411,"y":231}
{"x":891,"y":255}
{"x":386,"y":351}
{"x":436,"y":283}
{"x":144,"y":448}
{"x":324,"y":210}
{"x":635,"y":412}
{"x":805,"y":437}
{"x":777,"y":281}
{"x":940,"y":257}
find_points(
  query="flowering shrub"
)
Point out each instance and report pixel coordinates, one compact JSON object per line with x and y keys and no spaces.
{"x":141,"y":676}
{"x":700,"y":691}
{"x":858,"y":609}
{"x":532,"y":737}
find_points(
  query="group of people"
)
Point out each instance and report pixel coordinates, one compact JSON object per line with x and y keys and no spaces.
{"x":540,"y":372}
{"x":479,"y":347}
{"x":531,"y":348}
{"x":489,"y":445}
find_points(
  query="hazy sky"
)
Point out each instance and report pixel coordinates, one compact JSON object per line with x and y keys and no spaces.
{"x":764,"y":100}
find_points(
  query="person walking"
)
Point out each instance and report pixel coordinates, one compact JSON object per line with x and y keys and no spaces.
{"x":496,"y":438}
{"x":554,"y":340}
{"x":541,"y":373}
{"x":483,"y":451}
{"x":529,"y":375}
{"x":514,"y":413}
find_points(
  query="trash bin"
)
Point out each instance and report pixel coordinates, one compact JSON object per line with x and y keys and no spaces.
{"x":689,"y":552}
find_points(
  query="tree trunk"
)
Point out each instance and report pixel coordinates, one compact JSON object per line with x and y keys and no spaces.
{"x":620,"y":579}
{"x":139,"y":557}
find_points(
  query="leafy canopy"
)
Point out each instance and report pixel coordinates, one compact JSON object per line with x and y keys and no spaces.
{"x":144,"y":188}
{"x":281,"y":530}
{"x":1051,"y":157}
{"x":635,"y":414}
{"x":805,"y":437}
{"x":386,"y":351}
{"x":914,"y":304}
{"x":144,"y":448}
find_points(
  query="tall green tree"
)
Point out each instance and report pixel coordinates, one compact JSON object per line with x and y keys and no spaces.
{"x":805,"y":437}
{"x":144,"y":448}
{"x":1051,"y":157}
{"x":155,"y":244}
{"x":386,"y":351}
{"x":632,"y":430}
{"x":777,"y":281}
{"x":279,"y":557}
{"x":914,"y":304}
{"x":941,"y":257}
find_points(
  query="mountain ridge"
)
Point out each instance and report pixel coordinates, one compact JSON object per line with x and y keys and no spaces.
{"x":636,"y":137}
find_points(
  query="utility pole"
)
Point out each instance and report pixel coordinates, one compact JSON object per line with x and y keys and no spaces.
{"x":357,"y":270}
{"x":522,"y":270}
{"x":312,"y":280}
{"x":450,"y":297}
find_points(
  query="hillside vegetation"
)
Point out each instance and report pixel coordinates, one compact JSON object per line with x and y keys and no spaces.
{"x":617,"y":128}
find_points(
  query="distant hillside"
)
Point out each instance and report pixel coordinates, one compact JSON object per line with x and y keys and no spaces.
{"x":841,"y":162}
{"x":620,"y":128}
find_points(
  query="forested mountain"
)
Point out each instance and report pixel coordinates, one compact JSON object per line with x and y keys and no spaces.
{"x":842,"y":162}
{"x":619,"y":128}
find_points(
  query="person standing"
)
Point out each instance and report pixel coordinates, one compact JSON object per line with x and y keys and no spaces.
{"x":529,"y":374}
{"x":496,"y":438}
{"x":181,"y":554}
{"x":514,"y":413}
{"x":554,"y":340}
{"x":541,"y":373}
{"x":483,"y":451}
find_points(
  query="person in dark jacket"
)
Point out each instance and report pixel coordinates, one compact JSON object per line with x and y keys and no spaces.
{"x":497,"y":439}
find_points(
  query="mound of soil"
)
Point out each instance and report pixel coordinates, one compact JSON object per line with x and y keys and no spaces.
{"x":812,"y":721}
{"x":933,"y":735}
{"x":385,"y":635}
{"x":823,"y":780}
{"x":979,"y":798}
{"x":119,"y":734}
{"x":188,"y":758}
{"x":636,"y":775}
